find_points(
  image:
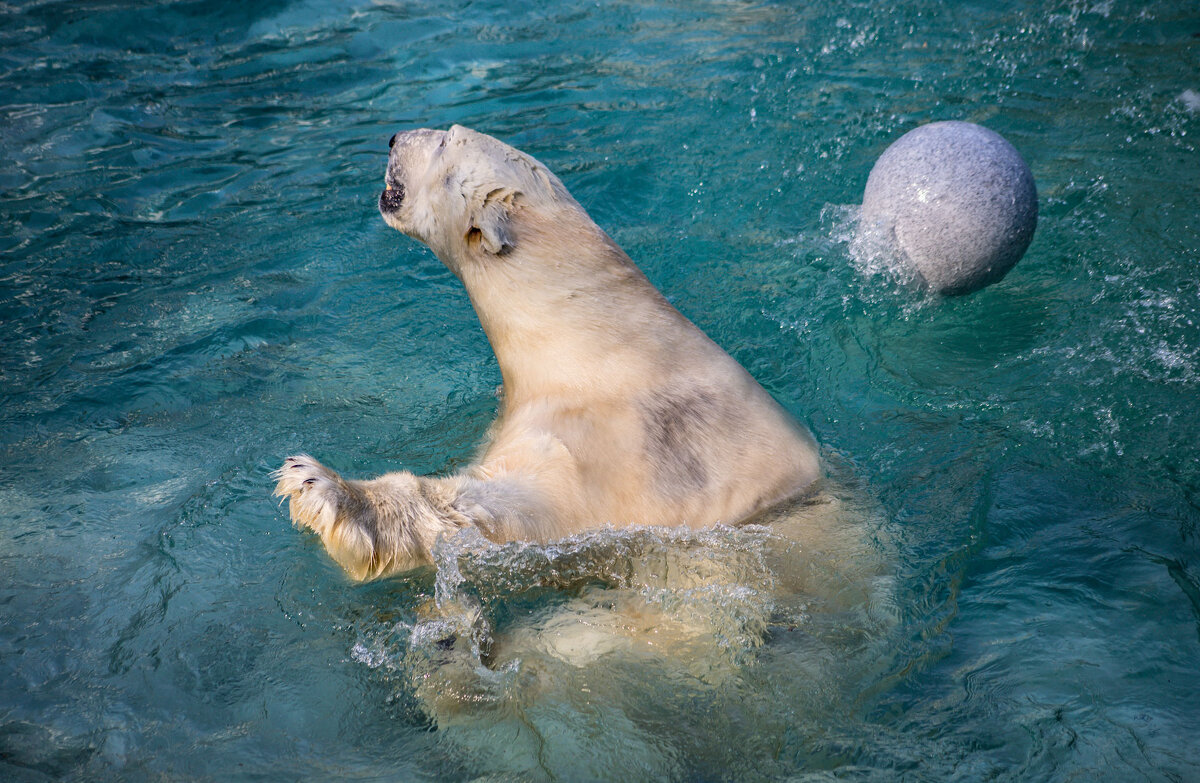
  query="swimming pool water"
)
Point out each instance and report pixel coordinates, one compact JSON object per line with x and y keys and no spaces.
{"x":195,"y":283}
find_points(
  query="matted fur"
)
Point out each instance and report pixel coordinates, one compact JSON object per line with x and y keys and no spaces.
{"x":616,"y":410}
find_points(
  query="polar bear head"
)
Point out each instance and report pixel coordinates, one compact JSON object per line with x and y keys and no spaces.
{"x":458,"y":190}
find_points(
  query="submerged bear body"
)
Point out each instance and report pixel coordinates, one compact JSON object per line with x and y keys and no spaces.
{"x":616,"y":410}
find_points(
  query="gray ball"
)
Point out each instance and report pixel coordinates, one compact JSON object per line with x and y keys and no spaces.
{"x":954,"y":202}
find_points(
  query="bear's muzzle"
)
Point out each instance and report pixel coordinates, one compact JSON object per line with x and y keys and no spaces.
{"x":391,"y":199}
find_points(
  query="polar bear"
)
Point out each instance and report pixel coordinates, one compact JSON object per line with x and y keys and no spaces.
{"x":616,"y":409}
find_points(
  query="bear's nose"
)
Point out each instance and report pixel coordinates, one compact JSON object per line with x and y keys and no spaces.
{"x":392,"y":141}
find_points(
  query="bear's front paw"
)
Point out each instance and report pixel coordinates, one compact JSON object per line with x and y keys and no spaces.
{"x":312,"y":491}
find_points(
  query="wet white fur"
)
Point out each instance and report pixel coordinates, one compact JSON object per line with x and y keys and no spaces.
{"x":616,"y":410}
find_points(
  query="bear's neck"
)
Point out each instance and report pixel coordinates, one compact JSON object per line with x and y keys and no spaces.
{"x":566,"y":311}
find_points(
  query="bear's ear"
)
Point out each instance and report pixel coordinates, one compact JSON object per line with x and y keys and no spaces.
{"x":488,"y":221}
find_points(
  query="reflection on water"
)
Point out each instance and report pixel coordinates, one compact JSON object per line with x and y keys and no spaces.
{"x":999,"y":583}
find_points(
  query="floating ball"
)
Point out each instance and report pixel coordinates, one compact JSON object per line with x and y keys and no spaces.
{"x":954,"y":203}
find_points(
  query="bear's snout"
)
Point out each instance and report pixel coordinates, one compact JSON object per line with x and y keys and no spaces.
{"x":391,"y":199}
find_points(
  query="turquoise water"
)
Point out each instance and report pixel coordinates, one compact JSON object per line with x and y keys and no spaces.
{"x":195,"y":283}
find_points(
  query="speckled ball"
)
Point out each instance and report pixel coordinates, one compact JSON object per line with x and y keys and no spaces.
{"x":955,"y":203}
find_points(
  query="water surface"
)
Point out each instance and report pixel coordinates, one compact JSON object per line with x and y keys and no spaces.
{"x":194,"y":283}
